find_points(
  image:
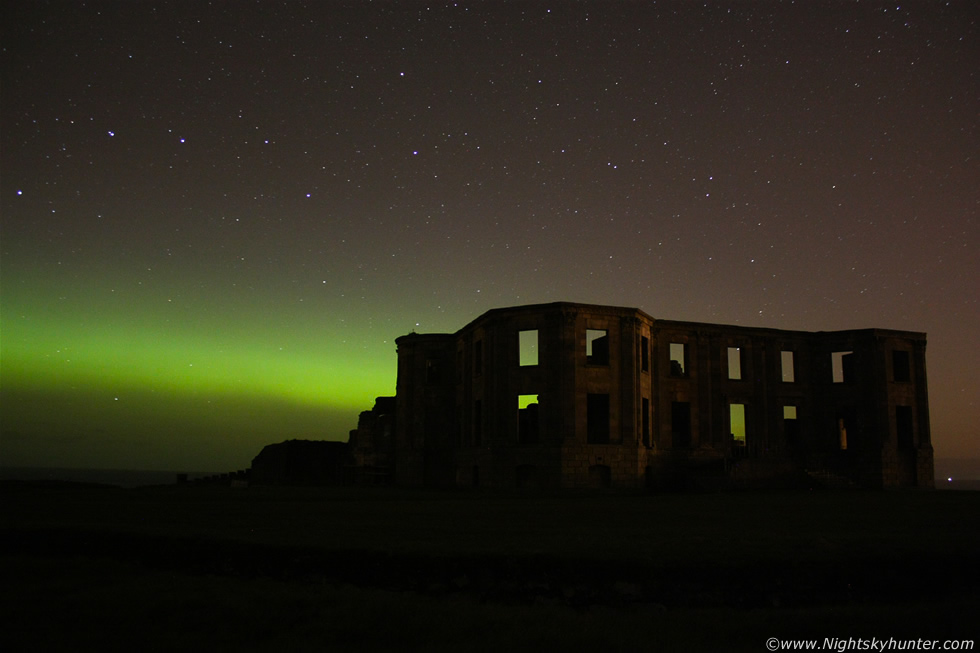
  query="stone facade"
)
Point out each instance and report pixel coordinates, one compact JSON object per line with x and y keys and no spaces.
{"x":372,"y":444}
{"x":573,"y":396}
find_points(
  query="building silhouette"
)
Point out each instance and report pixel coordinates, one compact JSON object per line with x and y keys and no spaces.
{"x":300,"y":462}
{"x":569,"y":395}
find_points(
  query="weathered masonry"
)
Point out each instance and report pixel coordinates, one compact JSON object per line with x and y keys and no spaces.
{"x":572,"y":395}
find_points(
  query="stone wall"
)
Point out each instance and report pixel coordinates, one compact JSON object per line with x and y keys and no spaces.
{"x":574,"y":395}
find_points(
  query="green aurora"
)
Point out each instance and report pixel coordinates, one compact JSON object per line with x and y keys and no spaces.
{"x":215,"y":219}
{"x":119,"y":362}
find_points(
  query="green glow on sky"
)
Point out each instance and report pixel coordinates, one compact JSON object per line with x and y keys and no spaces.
{"x":737,"y":421}
{"x":117,"y":357}
{"x":523,"y":401}
{"x":528,"y":347}
{"x":89,"y":353}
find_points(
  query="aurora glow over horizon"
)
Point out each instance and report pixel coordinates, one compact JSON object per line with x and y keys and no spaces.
{"x":218,"y":217}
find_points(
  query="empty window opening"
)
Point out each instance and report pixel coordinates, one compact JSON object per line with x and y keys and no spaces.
{"x":678,"y":359}
{"x":846,"y":427}
{"x":478,"y":422}
{"x":597,"y":346}
{"x":528,"y":344}
{"x":901,"y":371}
{"x":527,"y":418}
{"x":478,"y":357}
{"x":645,"y":422}
{"x":735,"y":363}
{"x":597,"y":419}
{"x":680,"y":423}
{"x":644,"y":353}
{"x":843,"y":366}
{"x":791,"y":426}
{"x":600,"y":476}
{"x":904,"y":427}
{"x":736,"y":421}
{"x":789,"y":366}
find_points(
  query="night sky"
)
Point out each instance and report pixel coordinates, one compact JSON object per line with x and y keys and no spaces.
{"x":217,"y":217}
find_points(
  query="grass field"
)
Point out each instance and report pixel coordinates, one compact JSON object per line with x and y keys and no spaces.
{"x":207,"y":568}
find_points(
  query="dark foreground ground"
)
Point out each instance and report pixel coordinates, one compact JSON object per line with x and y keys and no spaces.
{"x":279,"y":569}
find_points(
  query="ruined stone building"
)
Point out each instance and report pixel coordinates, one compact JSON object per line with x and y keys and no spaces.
{"x":572,"y":395}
